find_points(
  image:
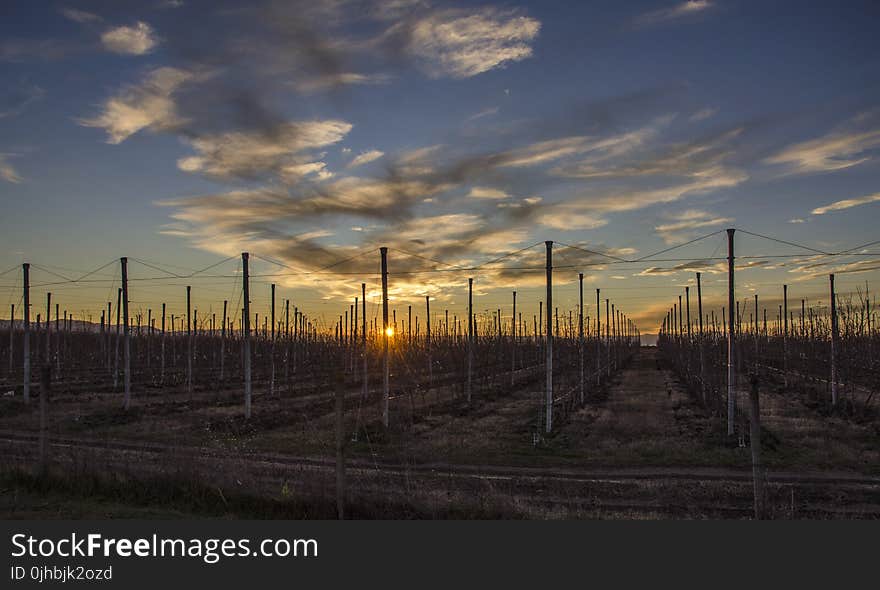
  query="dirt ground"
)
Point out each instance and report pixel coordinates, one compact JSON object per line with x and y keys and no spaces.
{"x":639,"y":447}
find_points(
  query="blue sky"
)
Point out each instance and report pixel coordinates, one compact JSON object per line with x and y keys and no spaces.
{"x":185,"y":132}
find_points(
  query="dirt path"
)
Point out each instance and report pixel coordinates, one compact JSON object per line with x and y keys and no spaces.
{"x":642,"y":401}
{"x":646,"y":418}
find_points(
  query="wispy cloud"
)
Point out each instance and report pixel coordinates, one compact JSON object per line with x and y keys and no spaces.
{"x":423,"y":174}
{"x":269,"y":215}
{"x":713,"y":267}
{"x":603,"y":154}
{"x":706,"y":181}
{"x":254,"y":153}
{"x":528,"y":202}
{"x":628,"y":155}
{"x":365,"y":158}
{"x":7,"y":172}
{"x":335,"y":80}
{"x":484,"y":113}
{"x":846,"y":204}
{"x":136,"y":40}
{"x":148,"y":105}
{"x":488,"y":219}
{"x":543,"y":151}
{"x":396,"y":9}
{"x":813,"y":267}
{"x":687,"y":222}
{"x":484,"y":192}
{"x":677,"y":12}
{"x":834,"y":151}
{"x":707,"y":266}
{"x":462,"y":44}
{"x":80,"y":16}
{"x":569,"y":218}
{"x":703,"y":114}
{"x":293,"y":173}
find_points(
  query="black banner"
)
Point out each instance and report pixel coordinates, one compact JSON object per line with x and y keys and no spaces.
{"x":239,"y":554}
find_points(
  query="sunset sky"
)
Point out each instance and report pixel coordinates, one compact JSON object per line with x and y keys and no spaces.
{"x":181,"y":133}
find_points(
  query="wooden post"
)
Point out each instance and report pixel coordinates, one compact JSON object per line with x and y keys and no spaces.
{"x":757,"y":355}
{"x":352,"y":336}
{"x":785,"y":336}
{"x":272,"y":346}
{"x":598,"y":339}
{"x":106,"y":342}
{"x":834,"y":337}
{"x":687,"y":302}
{"x":755,"y":443}
{"x":470,"y":336}
{"x":581,"y":332}
{"x":364,"y":341}
{"x":222,"y":343}
{"x":513,"y":341}
{"x":549,"y":340}
{"x":386,"y":387}
{"x":162,"y":349}
{"x":675,"y":332}
{"x":617,"y":319}
{"x":26,"y":271}
{"x":58,"y":340}
{"x":428,"y":340}
{"x":48,"y":343}
{"x":297,"y":334}
{"x":286,"y":343}
{"x":702,"y":359}
{"x":731,"y":298}
{"x":126,"y":333}
{"x":687,"y":318}
{"x":11,"y":338}
{"x":608,"y":336}
{"x":149,"y":334}
{"x":118,"y":328}
{"x":189,"y":342}
{"x":246,"y":336}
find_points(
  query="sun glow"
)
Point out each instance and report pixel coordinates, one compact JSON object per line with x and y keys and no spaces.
{"x":389,"y":331}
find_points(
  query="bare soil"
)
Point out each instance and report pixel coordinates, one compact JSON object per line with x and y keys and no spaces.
{"x":639,"y":447}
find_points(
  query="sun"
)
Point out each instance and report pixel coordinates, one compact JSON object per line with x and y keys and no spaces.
{"x":389,"y":331}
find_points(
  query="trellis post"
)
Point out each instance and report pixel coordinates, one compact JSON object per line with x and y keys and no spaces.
{"x":731,"y":298}
{"x":549,"y":339}
{"x":126,"y":347}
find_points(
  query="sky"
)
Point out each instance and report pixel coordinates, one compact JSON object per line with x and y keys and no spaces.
{"x":460,"y":135}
